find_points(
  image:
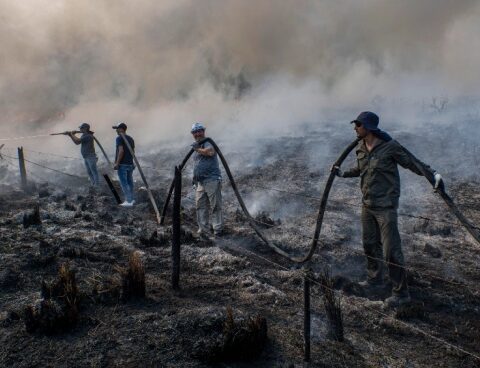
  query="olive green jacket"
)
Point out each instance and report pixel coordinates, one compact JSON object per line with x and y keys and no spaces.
{"x":378,"y":170}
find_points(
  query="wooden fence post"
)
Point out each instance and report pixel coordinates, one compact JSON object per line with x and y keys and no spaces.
{"x":176,"y":229}
{"x":112,"y":188}
{"x":306,"y":316}
{"x":23,"y":171}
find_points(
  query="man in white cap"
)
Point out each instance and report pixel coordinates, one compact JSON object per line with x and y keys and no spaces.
{"x":88,"y":151}
{"x":208,"y":182}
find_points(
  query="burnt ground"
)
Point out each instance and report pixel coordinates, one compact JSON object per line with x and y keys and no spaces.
{"x":170,"y":328}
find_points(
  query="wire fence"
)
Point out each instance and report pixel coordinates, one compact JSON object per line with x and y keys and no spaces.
{"x":24,"y":137}
{"x":52,"y":154}
{"x":371,"y":309}
{"x":376,"y":311}
{"x":305,"y":236}
{"x":256,"y":255}
{"x":45,"y":167}
{"x":359,"y":252}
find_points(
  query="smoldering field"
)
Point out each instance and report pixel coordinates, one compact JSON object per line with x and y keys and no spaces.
{"x":279,"y":179}
{"x":276,"y":84}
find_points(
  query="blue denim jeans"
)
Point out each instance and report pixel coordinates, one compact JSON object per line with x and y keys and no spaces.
{"x":125,"y":175}
{"x":91,"y":165}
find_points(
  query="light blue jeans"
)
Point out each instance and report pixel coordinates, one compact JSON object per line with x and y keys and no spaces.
{"x":125,"y":175}
{"x":91,"y":165}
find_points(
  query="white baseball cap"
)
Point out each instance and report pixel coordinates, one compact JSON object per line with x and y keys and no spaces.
{"x":196,"y":127}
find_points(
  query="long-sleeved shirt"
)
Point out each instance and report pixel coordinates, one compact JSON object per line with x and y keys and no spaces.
{"x":378,"y":170}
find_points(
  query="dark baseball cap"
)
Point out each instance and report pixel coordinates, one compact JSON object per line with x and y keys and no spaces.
{"x":120,"y":126}
{"x":84,"y":126}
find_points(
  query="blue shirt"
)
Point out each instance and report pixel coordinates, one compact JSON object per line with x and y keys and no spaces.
{"x":127,"y":156}
{"x":205,"y":168}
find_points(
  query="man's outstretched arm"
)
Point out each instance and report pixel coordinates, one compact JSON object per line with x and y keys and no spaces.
{"x":408,"y":161}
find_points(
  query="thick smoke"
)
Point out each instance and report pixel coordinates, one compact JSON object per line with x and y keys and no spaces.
{"x":258,"y":66}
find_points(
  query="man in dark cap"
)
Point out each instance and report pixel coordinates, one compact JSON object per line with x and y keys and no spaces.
{"x":377,"y":158}
{"x":88,"y":151}
{"x":124,"y":163}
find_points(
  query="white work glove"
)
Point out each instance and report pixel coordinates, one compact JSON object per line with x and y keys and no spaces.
{"x":337,"y":171}
{"x":438,"y":181}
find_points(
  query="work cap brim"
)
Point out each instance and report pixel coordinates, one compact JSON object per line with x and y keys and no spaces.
{"x":120,"y":126}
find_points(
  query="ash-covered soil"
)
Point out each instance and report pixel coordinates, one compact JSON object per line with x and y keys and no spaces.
{"x":234,"y":282}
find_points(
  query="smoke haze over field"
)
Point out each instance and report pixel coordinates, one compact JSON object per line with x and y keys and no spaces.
{"x":263,"y":65}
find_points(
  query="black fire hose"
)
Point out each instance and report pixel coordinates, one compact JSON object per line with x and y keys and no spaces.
{"x":251,"y":220}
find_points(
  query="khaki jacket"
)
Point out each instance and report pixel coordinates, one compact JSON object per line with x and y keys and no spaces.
{"x":378,"y":170}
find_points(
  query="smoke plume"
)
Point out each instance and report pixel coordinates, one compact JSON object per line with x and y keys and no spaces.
{"x":258,"y":66}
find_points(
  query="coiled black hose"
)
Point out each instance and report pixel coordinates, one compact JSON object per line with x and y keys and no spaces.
{"x":251,"y":220}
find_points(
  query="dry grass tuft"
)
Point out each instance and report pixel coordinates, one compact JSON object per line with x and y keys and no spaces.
{"x":242,"y":340}
{"x":133,"y":278}
{"x":32,"y":218}
{"x":58,"y":310}
{"x":332,"y":307}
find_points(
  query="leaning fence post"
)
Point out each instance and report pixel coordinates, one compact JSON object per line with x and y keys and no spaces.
{"x":176,"y":229}
{"x":306,"y":316}
{"x":23,"y":171}
{"x":112,"y":188}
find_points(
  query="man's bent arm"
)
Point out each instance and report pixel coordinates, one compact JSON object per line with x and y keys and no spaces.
{"x":352,"y":173}
{"x":75,"y":139}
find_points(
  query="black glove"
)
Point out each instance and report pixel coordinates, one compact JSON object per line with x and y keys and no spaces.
{"x":338,"y":172}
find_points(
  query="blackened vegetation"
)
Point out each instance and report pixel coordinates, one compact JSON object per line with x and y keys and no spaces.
{"x":332,"y":306}
{"x":133,"y":278}
{"x":47,"y":255}
{"x":413,"y":310}
{"x":264,"y":220}
{"x":233,"y":340}
{"x":10,"y":278}
{"x":32,"y":218}
{"x":154,"y":239}
{"x":43,"y":190}
{"x":58,"y":310}
{"x":347,"y":286}
{"x":432,"y":250}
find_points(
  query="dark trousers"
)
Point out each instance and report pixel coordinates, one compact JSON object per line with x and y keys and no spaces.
{"x":381,"y":241}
